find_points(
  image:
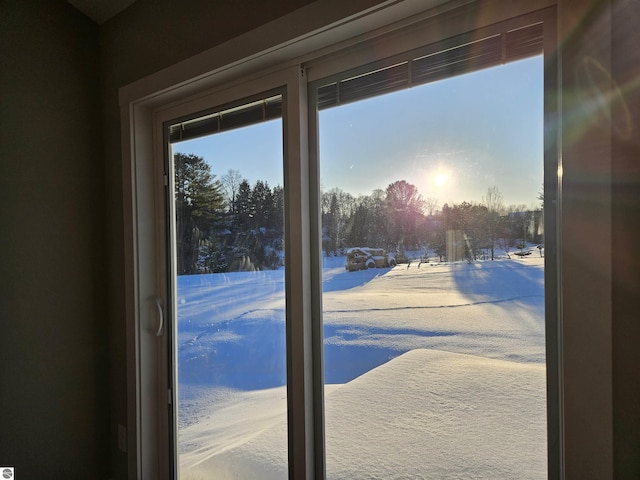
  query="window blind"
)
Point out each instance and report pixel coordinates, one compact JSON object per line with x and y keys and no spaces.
{"x":226,"y":119}
{"x":463,"y":58}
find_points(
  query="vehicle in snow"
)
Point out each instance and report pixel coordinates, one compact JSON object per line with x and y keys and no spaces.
{"x":361,"y":258}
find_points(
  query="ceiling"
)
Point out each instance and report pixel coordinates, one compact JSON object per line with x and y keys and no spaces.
{"x":101,"y":10}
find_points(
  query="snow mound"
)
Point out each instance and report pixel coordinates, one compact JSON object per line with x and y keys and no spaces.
{"x":426,"y":414}
{"x":439,"y":415}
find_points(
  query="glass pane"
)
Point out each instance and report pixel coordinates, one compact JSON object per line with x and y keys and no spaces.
{"x":433,"y":280}
{"x":230,"y":302}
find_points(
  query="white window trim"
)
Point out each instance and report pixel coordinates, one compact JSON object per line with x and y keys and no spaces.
{"x":272,"y":54}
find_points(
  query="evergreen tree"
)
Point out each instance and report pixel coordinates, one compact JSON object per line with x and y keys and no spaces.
{"x":243,"y":212}
{"x":277,"y":214}
{"x":331,"y":226}
{"x":199,"y":204}
{"x":358,"y":227}
{"x":261,"y":204}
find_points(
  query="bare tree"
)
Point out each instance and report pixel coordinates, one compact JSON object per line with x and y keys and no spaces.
{"x":231,"y":183}
{"x":430,"y":206}
{"x":338,"y":208}
{"x":493,"y":200}
{"x":495,"y":209}
{"x":405,"y":208}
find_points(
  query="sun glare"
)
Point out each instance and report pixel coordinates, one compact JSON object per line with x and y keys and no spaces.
{"x":441,"y":179}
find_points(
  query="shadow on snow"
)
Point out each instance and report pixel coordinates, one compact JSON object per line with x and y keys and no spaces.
{"x":347,"y":280}
{"x":251,"y":355}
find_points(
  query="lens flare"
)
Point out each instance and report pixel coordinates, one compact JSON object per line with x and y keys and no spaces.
{"x":441,"y":179}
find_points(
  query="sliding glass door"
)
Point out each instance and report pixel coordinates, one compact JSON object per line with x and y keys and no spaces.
{"x":408,"y":334}
{"x":433,"y":269}
{"x":227,"y":204}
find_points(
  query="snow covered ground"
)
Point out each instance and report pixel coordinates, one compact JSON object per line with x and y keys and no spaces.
{"x":434,"y":372}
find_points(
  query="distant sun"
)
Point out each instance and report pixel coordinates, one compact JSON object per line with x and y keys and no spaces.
{"x":441,"y":179}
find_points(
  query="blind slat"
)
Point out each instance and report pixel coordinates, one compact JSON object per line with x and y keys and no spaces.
{"x":462,"y":59}
{"x":465,"y":58}
{"x":256,"y":112}
{"x":375,"y":83}
{"x":524,"y":42}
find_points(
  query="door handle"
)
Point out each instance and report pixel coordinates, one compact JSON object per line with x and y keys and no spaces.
{"x":160,"y":308}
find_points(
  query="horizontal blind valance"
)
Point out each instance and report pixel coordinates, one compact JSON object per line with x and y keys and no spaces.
{"x":464,"y":58}
{"x":209,"y":123}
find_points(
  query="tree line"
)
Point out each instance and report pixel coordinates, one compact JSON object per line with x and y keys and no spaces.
{"x":227,"y":224}
{"x":399,"y":220}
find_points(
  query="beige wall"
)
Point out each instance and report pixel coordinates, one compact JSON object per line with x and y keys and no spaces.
{"x":586,"y":143}
{"x":601,"y":152}
{"x":53,"y":333}
{"x":625,"y":69}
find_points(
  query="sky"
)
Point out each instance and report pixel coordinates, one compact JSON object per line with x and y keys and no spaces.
{"x":453,"y":139}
